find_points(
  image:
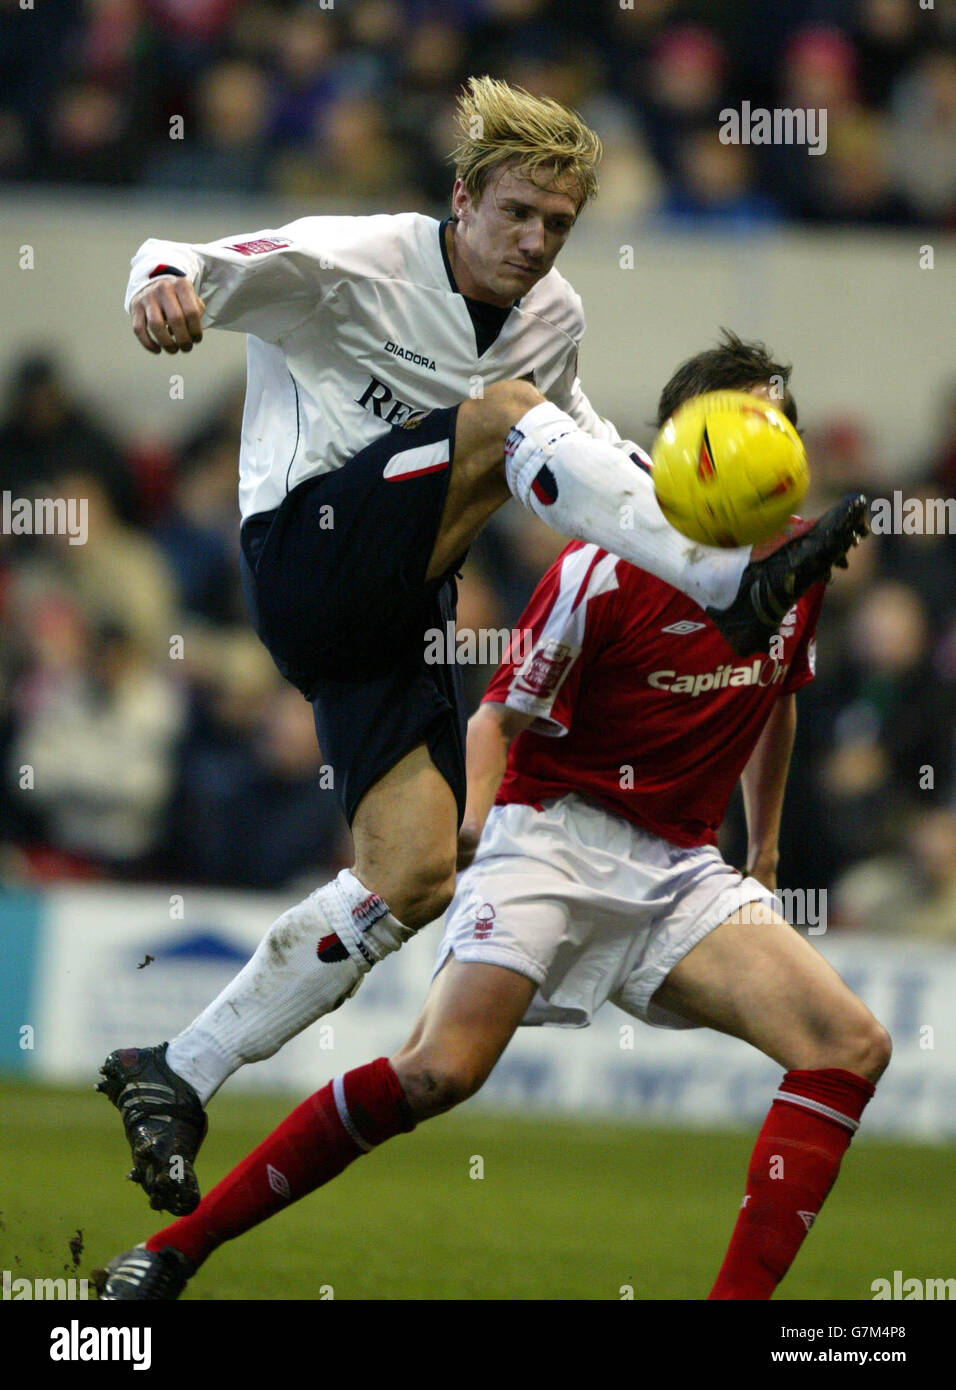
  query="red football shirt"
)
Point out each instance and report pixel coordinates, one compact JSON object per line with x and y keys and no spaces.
{"x":643,"y":706}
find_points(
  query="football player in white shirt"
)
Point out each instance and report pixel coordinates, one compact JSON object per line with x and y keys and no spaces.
{"x":405,"y":378}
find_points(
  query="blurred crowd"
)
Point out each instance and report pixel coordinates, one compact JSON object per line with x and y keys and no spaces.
{"x":145,"y":735}
{"x":346,"y":99}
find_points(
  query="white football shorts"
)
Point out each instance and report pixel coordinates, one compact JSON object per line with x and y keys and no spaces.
{"x":588,"y":906}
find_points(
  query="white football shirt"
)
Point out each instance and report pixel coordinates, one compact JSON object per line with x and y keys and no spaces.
{"x":354,"y":326}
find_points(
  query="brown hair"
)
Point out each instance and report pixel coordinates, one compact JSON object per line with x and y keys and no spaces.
{"x":731,"y":366}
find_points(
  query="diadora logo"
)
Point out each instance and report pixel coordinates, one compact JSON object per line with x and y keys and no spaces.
{"x":484,"y":922}
{"x":378,"y":398}
{"x":682,"y":628}
{"x":418,"y":359}
{"x":758,"y":672}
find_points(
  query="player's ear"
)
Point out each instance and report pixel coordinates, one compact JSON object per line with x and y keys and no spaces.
{"x":460,"y":198}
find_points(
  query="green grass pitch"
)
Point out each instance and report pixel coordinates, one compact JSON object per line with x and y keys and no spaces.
{"x":565,"y":1209}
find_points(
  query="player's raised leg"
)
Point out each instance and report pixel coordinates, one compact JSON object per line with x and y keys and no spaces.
{"x":514,"y":441}
{"x":310,"y":960}
{"x":471,"y":1012}
{"x":755,"y":978}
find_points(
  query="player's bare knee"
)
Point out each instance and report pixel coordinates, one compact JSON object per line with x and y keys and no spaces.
{"x":874,"y":1048}
{"x":433,"y":1085}
{"x":863,"y":1046}
{"x":512,"y":399}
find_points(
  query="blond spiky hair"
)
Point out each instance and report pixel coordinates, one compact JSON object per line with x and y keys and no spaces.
{"x":546,"y":142}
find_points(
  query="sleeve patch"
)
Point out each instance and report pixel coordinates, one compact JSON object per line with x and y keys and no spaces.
{"x":257,"y":248}
{"x":543,"y":672}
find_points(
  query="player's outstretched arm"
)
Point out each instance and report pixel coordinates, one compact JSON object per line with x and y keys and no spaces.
{"x":266,"y":283}
{"x":764,"y":782}
{"x":491,"y":730}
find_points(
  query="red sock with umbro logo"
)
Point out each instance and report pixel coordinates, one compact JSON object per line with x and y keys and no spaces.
{"x":349,"y":1116}
{"x":794,"y":1164}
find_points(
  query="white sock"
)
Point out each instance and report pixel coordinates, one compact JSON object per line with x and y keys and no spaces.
{"x":285,"y":986}
{"x":592,"y":491}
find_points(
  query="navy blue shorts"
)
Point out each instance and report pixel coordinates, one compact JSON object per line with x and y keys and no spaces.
{"x":334,"y":580}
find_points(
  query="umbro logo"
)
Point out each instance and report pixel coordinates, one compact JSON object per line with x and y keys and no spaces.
{"x":682,"y":628}
{"x":278,"y":1182}
{"x":807,"y":1217}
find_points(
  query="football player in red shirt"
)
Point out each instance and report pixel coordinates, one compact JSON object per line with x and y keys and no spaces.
{"x":599,"y":770}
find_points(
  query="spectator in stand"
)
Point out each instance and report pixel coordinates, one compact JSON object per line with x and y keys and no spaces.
{"x":926,"y":562}
{"x":818,"y":73}
{"x":306,"y":76}
{"x":856,"y":181}
{"x":46,"y":432}
{"x":353,"y":155}
{"x":888,"y":35}
{"x":432,"y":66}
{"x":97,"y":725}
{"x":120,"y":575}
{"x":879,"y":722}
{"x":111,"y":74}
{"x":932,"y":843}
{"x":197,"y":530}
{"x":910,"y":891}
{"x":923,"y":138}
{"x":682,"y":91}
{"x":254,"y":806}
{"x":229,"y":152}
{"x":714,"y":188}
{"x":91,"y":136}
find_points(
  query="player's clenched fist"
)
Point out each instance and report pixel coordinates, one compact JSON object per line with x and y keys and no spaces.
{"x":167,"y":315}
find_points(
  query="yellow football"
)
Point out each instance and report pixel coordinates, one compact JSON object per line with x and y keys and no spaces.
{"x":729,"y":469}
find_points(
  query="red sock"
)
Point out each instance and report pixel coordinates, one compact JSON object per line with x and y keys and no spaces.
{"x":793,"y":1166}
{"x":322,"y":1136}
